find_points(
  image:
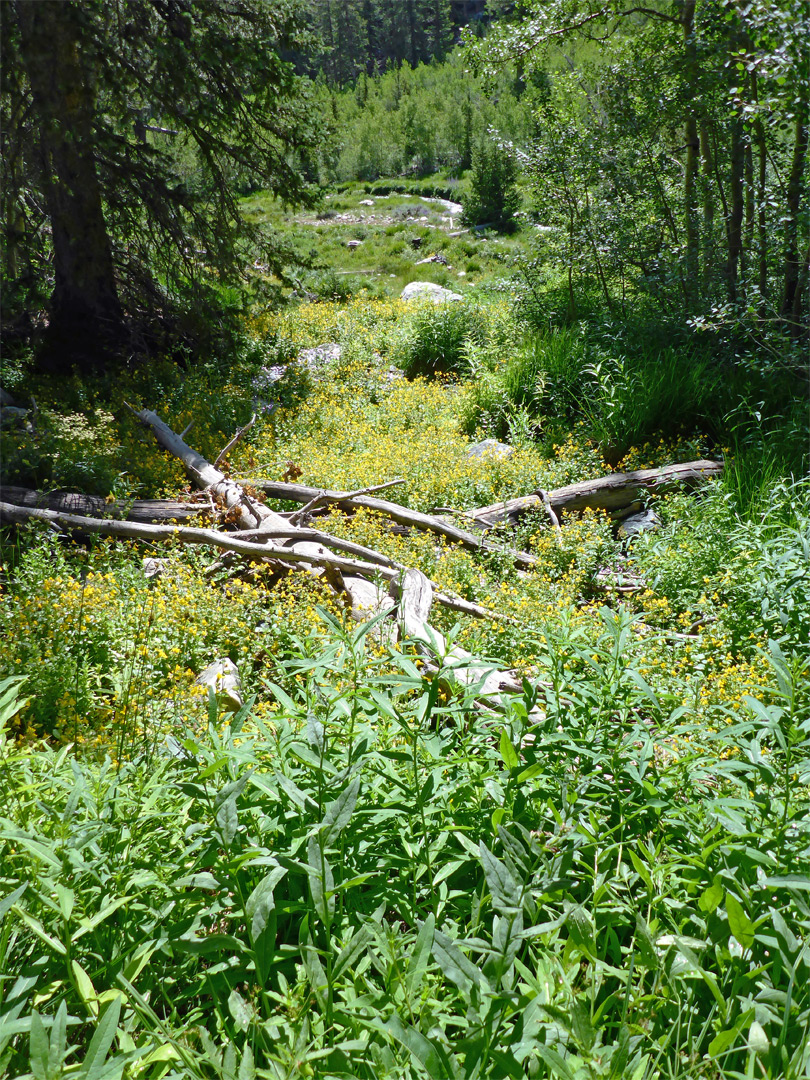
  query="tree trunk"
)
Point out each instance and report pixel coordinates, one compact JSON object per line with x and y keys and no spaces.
{"x":790,"y":301}
{"x":692,"y":155}
{"x":762,"y":176}
{"x":707,"y":170}
{"x":85,"y":312}
{"x":736,"y":209}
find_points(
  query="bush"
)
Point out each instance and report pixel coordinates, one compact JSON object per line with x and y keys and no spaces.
{"x":493,"y":198}
{"x":436,"y":336}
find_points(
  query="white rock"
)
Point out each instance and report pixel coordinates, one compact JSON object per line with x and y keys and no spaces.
{"x":428,"y":290}
{"x":153,"y":568}
{"x":490,"y":448}
{"x":223,"y":677}
{"x":352,"y":244}
{"x":643,"y":522}
{"x":320,"y":355}
{"x":366,"y":202}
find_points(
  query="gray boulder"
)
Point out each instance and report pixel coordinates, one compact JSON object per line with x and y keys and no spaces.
{"x":321,"y":355}
{"x":490,"y":448}
{"x":428,"y":290}
{"x":634,"y":524}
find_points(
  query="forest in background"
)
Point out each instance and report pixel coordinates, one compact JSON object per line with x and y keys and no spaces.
{"x":502,"y":770}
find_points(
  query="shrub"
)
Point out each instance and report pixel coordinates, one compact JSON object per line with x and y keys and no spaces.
{"x":493,"y":198}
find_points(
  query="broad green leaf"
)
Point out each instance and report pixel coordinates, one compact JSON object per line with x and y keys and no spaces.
{"x":453,"y":963}
{"x":10,"y":899}
{"x":37,"y":849}
{"x":261,"y":902}
{"x":788,"y":881}
{"x":210,"y":944}
{"x":66,"y":898}
{"x":724,"y":1039}
{"x":338,"y":813}
{"x":40,"y":931}
{"x":86,"y":925}
{"x":758,"y":1042}
{"x":421,"y":1048}
{"x":420,"y":957}
{"x":58,"y":1041}
{"x":740,"y":925}
{"x":508,"y":753}
{"x":351,"y":951}
{"x":84,"y":984}
{"x":239,"y":1009}
{"x":247,"y":1068}
{"x":555,"y":1062}
{"x":505,"y":890}
{"x":228,"y":820}
{"x":93,"y":1064}
{"x":203,"y":880}
{"x":710,"y":898}
{"x":39,"y":1047}
{"x":321,"y":881}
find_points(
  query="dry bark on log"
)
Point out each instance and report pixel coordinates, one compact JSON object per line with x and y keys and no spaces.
{"x":228,"y":542}
{"x":71,"y":502}
{"x":416,"y":597}
{"x":611,"y":493}
{"x":401,"y":514}
{"x":249,"y":514}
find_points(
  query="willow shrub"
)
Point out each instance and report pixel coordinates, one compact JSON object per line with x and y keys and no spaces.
{"x":385,"y":882}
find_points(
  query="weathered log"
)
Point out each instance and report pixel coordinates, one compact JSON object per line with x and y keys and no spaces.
{"x":248,"y":513}
{"x":130,"y":530}
{"x":71,"y":502}
{"x":276,"y":489}
{"x":416,"y":597}
{"x":610,"y":493}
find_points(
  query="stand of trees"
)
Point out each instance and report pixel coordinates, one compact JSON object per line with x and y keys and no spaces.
{"x":357,"y":36}
{"x":129,"y":127}
{"x":670,"y":149}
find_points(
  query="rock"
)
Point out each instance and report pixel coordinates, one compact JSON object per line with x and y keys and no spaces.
{"x":438,"y":258}
{"x":352,"y":244}
{"x":223,"y":677}
{"x":645,"y":521}
{"x":427,"y":290}
{"x":416,"y":242}
{"x":6,"y":398}
{"x":12,"y":416}
{"x":316,"y":358}
{"x":462,"y":273}
{"x":366,"y":202}
{"x":490,"y":448}
{"x":153,"y":568}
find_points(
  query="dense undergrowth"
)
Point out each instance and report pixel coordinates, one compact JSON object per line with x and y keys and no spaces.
{"x":362,"y":874}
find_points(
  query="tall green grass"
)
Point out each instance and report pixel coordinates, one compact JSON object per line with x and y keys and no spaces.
{"x":385,"y":883}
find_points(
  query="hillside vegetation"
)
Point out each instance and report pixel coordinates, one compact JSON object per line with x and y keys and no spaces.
{"x":355,"y":862}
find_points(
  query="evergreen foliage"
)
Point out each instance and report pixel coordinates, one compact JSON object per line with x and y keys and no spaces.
{"x":493,"y":197}
{"x":171,"y":110}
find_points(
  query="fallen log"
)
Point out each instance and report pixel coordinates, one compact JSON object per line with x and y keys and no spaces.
{"x":129,"y":530}
{"x":247,"y":513}
{"x":612,"y":493}
{"x":277,"y":489}
{"x":72,"y":502}
{"x":416,"y":598}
